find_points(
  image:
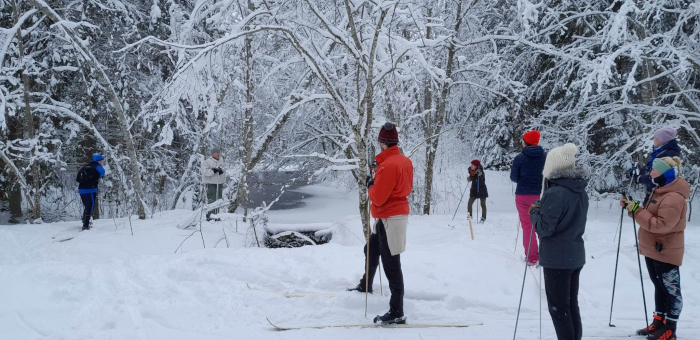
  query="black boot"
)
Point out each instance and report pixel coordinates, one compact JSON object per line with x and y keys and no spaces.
{"x":86,"y":222}
{"x":656,"y":325}
{"x":390,"y":318}
{"x":360,"y":288}
{"x":667,"y":332}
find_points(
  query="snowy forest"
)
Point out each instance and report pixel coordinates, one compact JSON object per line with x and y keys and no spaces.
{"x":305,"y":85}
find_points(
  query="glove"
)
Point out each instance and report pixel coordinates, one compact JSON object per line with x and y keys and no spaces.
{"x":218,"y":171}
{"x":479,"y":172}
{"x":369,"y":182}
{"x":632,"y":206}
{"x":633,"y":172}
{"x":533,"y":206}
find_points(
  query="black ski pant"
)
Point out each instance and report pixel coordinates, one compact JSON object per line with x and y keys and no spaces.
{"x":561,"y":286}
{"x":89,"y":204}
{"x":666,"y":278}
{"x":379,"y":248}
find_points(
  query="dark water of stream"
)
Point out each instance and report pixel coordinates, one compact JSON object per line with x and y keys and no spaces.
{"x":266,"y":186}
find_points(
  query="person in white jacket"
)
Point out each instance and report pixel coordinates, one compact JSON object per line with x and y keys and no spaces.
{"x":213,"y":177}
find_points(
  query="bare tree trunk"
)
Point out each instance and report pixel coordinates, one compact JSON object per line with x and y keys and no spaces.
{"x":15,"y":192}
{"x":29,"y":117}
{"x":94,"y":64}
{"x":364,"y":124}
{"x":361,"y":184}
{"x":435,"y":122}
{"x":248,"y":127}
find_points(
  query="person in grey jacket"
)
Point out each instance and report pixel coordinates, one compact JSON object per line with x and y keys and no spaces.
{"x":560,"y":221}
{"x":213,"y":177}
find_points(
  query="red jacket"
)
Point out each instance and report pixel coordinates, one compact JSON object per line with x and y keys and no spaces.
{"x":393,"y":183}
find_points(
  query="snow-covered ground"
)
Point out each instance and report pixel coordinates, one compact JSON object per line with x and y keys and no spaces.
{"x":108,"y":284}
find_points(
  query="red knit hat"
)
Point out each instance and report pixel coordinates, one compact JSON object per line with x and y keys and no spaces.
{"x":388,"y":134}
{"x":476,"y":163}
{"x":532,"y":137}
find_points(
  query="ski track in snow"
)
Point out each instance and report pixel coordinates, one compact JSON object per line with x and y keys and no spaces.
{"x":107,"y":284}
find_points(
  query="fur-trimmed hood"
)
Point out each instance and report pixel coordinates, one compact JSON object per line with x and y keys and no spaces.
{"x":574,"y":179}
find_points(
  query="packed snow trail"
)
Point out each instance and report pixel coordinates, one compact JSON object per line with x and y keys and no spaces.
{"x":107,"y":284}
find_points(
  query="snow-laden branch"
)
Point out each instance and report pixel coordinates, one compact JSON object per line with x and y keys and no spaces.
{"x":11,"y":33}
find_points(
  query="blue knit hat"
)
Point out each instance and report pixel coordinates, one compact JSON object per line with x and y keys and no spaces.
{"x":96,"y":157}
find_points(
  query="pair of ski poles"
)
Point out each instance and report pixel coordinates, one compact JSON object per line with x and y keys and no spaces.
{"x":617,"y":259}
{"x":381,"y":285}
{"x":522,"y":288}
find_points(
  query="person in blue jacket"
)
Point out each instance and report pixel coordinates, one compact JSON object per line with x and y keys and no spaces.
{"x":665,"y":145}
{"x":88,"y":178}
{"x":527,"y":172}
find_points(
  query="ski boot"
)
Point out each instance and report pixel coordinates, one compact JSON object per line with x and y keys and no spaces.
{"x":390,"y":319}
{"x":86,"y":223}
{"x":360,"y":288}
{"x":656,"y":324}
{"x":667,"y":332}
{"x":482,"y":221}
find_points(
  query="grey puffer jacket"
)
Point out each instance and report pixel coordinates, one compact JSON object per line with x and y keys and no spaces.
{"x":560,"y":220}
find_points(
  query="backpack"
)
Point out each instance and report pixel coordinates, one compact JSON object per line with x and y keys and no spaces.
{"x":86,"y":174}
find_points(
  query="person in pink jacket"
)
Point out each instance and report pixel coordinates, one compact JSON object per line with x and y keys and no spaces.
{"x":662,"y":242}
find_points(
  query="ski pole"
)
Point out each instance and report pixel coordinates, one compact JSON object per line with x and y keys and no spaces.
{"x":367,"y":271}
{"x":517,"y":233}
{"x":381,"y":288}
{"x":471,"y":229}
{"x":617,"y":259}
{"x":477,"y":210}
{"x":639,"y":261}
{"x":629,"y":187}
{"x":460,"y":201}
{"x":522,"y":289}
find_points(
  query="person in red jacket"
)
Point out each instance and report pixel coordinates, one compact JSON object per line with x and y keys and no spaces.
{"x":388,"y":192}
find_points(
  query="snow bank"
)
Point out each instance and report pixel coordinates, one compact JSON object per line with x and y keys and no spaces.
{"x":107,"y":284}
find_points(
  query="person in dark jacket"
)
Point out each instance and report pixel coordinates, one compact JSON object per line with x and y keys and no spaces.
{"x":665,"y":145}
{"x":478,"y":188}
{"x":88,"y":178}
{"x":527,"y":172}
{"x":560,"y":221}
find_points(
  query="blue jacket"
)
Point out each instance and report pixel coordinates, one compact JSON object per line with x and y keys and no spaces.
{"x":670,"y":149}
{"x":527,"y":170}
{"x":90,"y":186}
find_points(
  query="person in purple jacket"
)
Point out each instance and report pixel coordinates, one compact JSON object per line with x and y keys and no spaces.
{"x":527,"y":172}
{"x":88,"y":178}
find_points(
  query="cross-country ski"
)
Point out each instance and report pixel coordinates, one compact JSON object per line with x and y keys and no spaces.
{"x":372,"y":325}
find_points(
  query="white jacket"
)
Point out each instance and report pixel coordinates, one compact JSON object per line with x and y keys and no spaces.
{"x":208,"y":174}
